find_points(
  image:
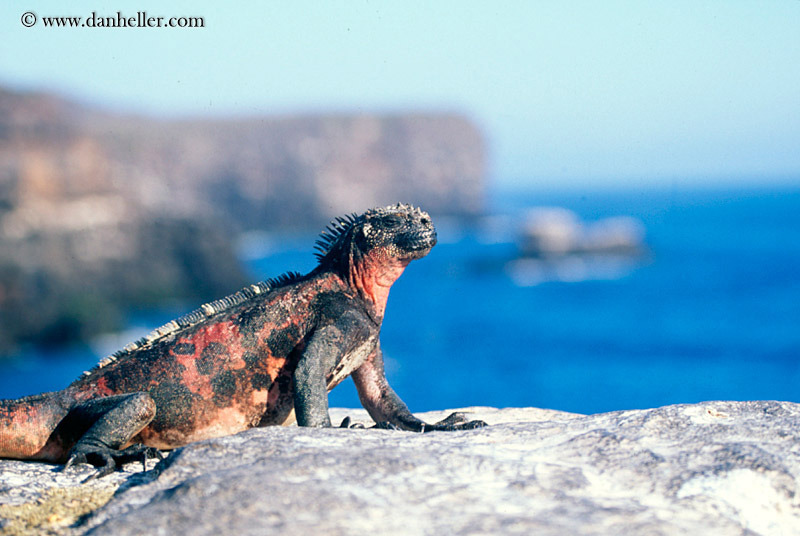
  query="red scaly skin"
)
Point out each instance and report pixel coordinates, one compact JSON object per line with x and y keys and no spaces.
{"x":213,"y":380}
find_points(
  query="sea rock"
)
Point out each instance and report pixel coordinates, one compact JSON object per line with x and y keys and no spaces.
{"x":710,"y":468}
{"x":552,"y":232}
{"x":555,"y":245}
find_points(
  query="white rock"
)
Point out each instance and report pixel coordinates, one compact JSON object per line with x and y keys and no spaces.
{"x":711,"y":468}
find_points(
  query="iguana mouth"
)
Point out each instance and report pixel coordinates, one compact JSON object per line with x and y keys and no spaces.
{"x":418,"y":241}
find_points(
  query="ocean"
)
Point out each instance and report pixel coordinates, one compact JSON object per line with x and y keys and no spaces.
{"x":711,"y":309}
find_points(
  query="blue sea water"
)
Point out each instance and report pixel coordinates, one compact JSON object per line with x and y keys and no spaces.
{"x":711,"y":312}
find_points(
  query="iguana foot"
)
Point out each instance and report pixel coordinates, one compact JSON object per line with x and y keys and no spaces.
{"x":383,"y":425}
{"x":347,"y":422}
{"x":106,"y":459}
{"x":386,"y":425}
{"x":454,"y":421}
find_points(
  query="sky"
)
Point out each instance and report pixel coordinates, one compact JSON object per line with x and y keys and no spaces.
{"x":568,"y":93}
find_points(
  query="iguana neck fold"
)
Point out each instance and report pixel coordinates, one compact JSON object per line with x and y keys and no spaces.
{"x":372,"y":275}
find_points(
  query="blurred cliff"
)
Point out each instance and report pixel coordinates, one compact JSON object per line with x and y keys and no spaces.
{"x":100,"y":212}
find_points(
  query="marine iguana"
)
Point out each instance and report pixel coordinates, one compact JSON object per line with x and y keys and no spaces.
{"x":266,"y":355}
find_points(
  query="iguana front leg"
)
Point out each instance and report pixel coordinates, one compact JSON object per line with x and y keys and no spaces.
{"x":388,"y":410}
{"x":310,"y":389}
{"x":326,"y":349}
{"x":100,"y":427}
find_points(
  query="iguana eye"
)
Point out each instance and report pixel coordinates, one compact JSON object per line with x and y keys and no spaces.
{"x":392,"y":222}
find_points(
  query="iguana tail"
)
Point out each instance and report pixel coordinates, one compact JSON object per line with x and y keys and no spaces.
{"x":26,"y":427}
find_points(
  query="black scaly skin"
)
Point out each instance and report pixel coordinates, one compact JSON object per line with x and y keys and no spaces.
{"x":266,"y":355}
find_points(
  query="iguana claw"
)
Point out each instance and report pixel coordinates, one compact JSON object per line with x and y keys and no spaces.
{"x":386,"y":425}
{"x":107,"y":460}
{"x":454,"y":421}
{"x":348,"y":423}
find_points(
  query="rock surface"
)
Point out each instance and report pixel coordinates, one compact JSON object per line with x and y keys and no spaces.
{"x":710,"y":468}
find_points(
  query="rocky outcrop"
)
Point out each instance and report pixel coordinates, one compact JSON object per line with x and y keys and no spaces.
{"x":249,"y":173}
{"x":711,"y":468}
{"x":101,"y":212}
{"x":300,"y":171}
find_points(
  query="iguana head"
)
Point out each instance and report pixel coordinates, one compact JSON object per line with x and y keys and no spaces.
{"x":371,"y":250}
{"x":399,"y":231}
